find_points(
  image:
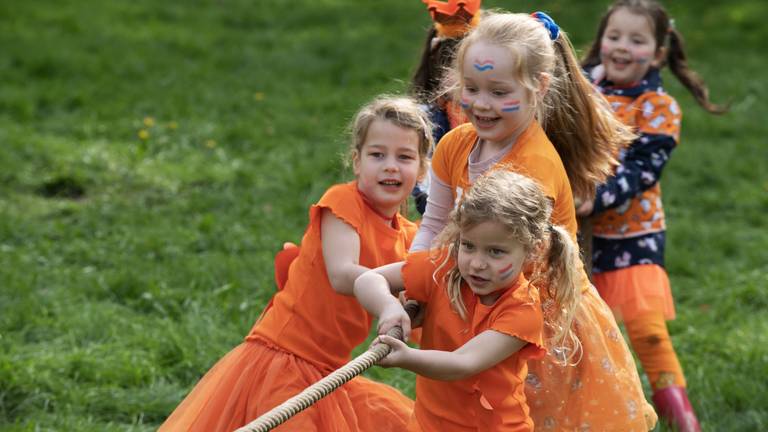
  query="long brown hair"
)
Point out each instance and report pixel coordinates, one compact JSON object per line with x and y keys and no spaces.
{"x":665,"y":35}
{"x":519,"y":204}
{"x":574,"y":116}
{"x":435,"y":60}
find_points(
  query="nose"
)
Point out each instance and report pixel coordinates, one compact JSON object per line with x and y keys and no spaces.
{"x":481,"y":102}
{"x":477,"y":263}
{"x":390,"y":164}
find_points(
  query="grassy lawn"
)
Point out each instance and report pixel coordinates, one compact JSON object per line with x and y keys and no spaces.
{"x":155,"y":155}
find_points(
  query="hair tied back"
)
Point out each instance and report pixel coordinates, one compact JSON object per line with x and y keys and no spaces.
{"x":548,"y":23}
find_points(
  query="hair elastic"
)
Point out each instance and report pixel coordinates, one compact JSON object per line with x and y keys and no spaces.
{"x":549,"y":24}
{"x":671,"y":25}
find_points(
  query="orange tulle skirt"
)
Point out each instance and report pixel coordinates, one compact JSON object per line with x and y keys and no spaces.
{"x":636,"y":290}
{"x":257,"y":376}
{"x":602,"y":392}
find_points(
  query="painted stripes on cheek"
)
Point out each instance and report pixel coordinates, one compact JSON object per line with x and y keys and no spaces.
{"x":464,"y":103}
{"x":511,"y":106}
{"x":507,"y":271}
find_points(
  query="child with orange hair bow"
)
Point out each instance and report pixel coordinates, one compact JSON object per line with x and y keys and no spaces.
{"x":452,"y":20}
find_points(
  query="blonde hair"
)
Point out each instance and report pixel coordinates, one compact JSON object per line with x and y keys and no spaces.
{"x":518,"y":203}
{"x":403,"y":112}
{"x":575,"y":117}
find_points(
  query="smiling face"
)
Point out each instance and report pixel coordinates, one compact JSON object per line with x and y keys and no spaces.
{"x":387,"y":165}
{"x":489,"y":259}
{"x":496,"y":103}
{"x":628,"y":47}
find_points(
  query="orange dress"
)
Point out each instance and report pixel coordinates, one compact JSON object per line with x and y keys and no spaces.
{"x":493,"y":400}
{"x":603,"y":390}
{"x":306,"y":332}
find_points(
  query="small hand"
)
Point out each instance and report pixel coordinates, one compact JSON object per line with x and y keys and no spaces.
{"x":398,"y":353}
{"x":585,"y":208}
{"x":392,"y":317}
{"x":417,"y":320}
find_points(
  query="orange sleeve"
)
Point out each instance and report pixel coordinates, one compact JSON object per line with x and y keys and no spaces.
{"x":658,"y":113}
{"x":441,"y":166}
{"x":448,"y":159}
{"x":417,"y":275}
{"x":344,"y":202}
{"x":523,"y":320}
{"x":543,"y":170}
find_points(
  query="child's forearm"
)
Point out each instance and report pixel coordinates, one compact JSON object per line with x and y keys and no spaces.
{"x":438,"y":365}
{"x":373,"y":293}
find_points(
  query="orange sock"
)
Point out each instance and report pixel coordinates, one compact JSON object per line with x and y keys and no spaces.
{"x":650,"y":339}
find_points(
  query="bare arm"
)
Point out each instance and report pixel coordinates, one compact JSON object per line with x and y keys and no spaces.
{"x":374,"y":290}
{"x":439,"y":206}
{"x":341,"y":252}
{"x":480,"y":353}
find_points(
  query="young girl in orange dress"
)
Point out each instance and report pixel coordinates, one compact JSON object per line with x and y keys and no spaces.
{"x":472,"y":284}
{"x":531,"y":108}
{"x":635,"y":39}
{"x":311,"y":325}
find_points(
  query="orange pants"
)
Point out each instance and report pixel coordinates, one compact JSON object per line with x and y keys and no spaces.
{"x":650,"y":340}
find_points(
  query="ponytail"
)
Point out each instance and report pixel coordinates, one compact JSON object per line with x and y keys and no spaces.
{"x":563,"y":281}
{"x":581,"y":125}
{"x":678,"y":63}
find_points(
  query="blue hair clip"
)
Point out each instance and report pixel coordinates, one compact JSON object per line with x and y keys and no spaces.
{"x":549,"y":24}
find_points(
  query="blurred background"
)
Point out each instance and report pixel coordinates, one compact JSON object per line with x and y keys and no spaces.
{"x":155,"y":155}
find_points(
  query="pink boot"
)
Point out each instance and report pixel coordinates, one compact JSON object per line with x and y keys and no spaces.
{"x":672,"y":404}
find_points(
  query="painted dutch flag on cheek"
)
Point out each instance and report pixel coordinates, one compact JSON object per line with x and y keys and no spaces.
{"x":507,"y":271}
{"x":511,"y":106}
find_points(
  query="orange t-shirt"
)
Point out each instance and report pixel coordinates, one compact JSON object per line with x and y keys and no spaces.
{"x":533,"y":155}
{"x":307,"y":317}
{"x":493,"y":399}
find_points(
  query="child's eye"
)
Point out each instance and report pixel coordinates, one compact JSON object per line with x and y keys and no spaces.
{"x":376,"y":155}
{"x":470,"y":90}
{"x":467,"y":245}
{"x":406,"y":157}
{"x":500,"y":92}
{"x":496,"y":252}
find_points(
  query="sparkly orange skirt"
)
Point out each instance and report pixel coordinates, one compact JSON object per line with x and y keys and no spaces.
{"x":635,"y":290}
{"x":602,"y":392}
{"x":257,"y":376}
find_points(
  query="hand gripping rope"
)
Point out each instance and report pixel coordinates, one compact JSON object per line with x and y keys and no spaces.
{"x":329,"y":383}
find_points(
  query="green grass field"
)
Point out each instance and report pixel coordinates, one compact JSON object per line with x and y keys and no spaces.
{"x":155,"y":155}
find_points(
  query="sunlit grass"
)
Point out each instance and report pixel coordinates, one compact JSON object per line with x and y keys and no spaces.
{"x":154,"y":156}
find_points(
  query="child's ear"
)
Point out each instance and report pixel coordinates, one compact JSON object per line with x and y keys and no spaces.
{"x":658,"y":59}
{"x":544,"y":81}
{"x":356,"y":162}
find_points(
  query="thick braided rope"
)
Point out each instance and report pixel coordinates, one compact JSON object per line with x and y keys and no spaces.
{"x":325,"y":386}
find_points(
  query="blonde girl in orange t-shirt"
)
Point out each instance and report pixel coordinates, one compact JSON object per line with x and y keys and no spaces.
{"x":312,"y":324}
{"x":532,"y":110}
{"x":472,"y":287}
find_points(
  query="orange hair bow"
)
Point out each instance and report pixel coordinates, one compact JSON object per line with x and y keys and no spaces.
{"x":453,"y":18}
